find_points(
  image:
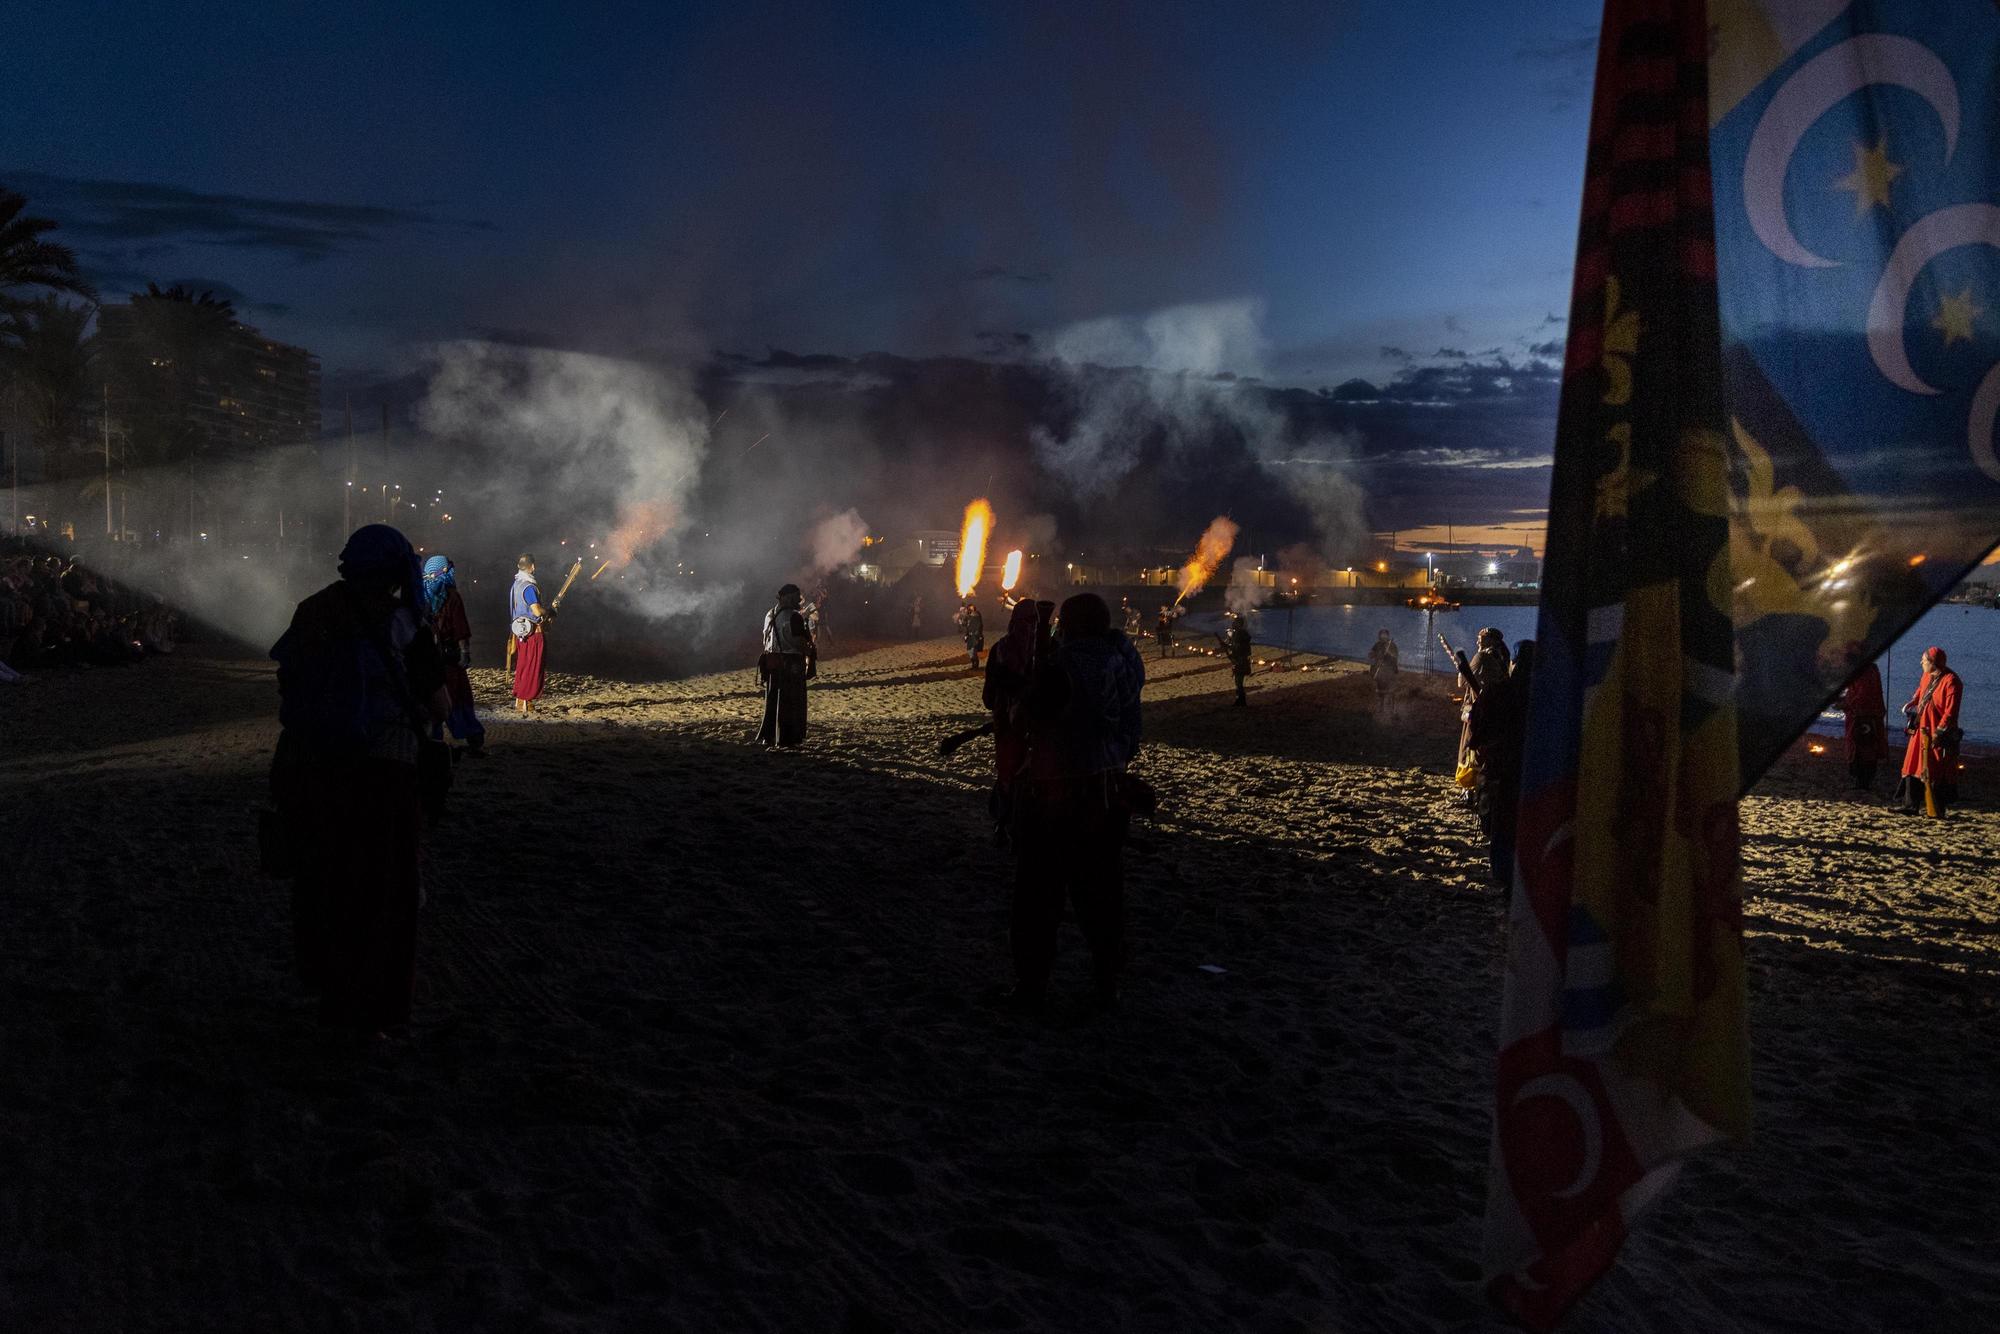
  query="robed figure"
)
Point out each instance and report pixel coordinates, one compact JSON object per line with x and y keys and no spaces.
{"x":1865,"y":732}
{"x":453,"y":629}
{"x":1930,"y":760}
{"x":789,"y":660}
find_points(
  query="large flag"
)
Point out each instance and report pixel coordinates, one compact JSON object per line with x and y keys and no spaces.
{"x":1775,"y":449}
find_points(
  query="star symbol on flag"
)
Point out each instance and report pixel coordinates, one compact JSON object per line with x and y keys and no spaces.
{"x":1955,"y":316}
{"x":1870,"y":178}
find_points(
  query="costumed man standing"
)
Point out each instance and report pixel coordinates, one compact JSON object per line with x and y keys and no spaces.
{"x":1865,"y":730}
{"x":1236,"y":646}
{"x":1930,"y":762}
{"x":1070,"y":809}
{"x":790,"y":659}
{"x":973,"y":626}
{"x":454,"y":640}
{"x":359,"y":686}
{"x":1499,"y":732}
{"x":528,"y":626}
{"x":1163,"y":632}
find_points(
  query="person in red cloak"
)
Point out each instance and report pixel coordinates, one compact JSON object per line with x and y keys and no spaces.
{"x":1865,"y":732}
{"x":1934,"y":736}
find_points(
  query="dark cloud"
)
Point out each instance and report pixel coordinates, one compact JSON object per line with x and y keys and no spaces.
{"x":1401,"y":354}
{"x":146,"y":220}
{"x":1553,"y":318}
{"x":1452,"y":324}
{"x":1454,"y":353}
{"x":1552,"y":348}
{"x":1011,"y":343}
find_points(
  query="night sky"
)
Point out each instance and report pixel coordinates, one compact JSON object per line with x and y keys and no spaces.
{"x":1389,"y":188}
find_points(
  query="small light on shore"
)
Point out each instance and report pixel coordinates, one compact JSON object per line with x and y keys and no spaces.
{"x":1816,"y":748}
{"x":1918,"y":559}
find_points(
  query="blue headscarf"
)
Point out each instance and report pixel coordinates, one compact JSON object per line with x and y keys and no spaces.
{"x":438,"y":582}
{"x":379,"y":551}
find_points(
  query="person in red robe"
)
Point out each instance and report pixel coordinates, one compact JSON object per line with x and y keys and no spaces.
{"x":530,"y":620}
{"x":1930,"y":761}
{"x":1865,"y":731}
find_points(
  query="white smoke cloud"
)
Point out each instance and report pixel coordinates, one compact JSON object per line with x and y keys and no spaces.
{"x":1245,"y":594}
{"x":836,"y":540}
{"x":1181,"y":397}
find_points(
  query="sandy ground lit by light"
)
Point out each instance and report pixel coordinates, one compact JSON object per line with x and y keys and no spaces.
{"x":704,"y":1036}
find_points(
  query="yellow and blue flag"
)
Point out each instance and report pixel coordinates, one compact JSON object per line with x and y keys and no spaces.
{"x":1775,"y":450}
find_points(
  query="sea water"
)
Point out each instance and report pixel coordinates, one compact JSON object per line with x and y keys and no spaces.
{"x":1970,"y":637}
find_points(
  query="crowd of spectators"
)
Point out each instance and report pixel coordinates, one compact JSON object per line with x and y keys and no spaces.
{"x":56,"y":613}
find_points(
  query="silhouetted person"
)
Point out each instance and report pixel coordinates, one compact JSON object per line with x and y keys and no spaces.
{"x":1163,"y":632}
{"x":788,"y":662}
{"x":1008,"y":671}
{"x":1384,"y":662}
{"x":973,"y":626}
{"x":1236,"y":646}
{"x":1499,"y":732}
{"x":360,"y":684}
{"x":1082,"y":711}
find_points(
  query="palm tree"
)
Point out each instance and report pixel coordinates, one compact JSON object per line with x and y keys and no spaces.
{"x":28,"y":260}
{"x":50,"y":357}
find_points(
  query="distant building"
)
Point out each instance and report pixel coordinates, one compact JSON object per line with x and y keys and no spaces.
{"x":271,"y":396}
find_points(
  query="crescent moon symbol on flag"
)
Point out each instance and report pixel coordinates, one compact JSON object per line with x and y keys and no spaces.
{"x":1567,"y":1090}
{"x":1813,"y":90}
{"x":1929,"y":237}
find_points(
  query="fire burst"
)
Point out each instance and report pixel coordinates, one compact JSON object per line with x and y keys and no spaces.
{"x":972,"y":545}
{"x":1209,"y":554}
{"x":1010,"y":573}
{"x":644,"y":524}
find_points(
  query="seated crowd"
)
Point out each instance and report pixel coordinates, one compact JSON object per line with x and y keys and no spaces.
{"x":56,"y":613}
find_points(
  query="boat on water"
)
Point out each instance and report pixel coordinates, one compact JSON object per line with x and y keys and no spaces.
{"x":1431,"y":600}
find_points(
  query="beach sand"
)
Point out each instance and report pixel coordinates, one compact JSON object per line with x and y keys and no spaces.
{"x":705,"y":1040}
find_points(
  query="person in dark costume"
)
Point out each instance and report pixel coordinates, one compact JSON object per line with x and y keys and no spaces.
{"x":360,"y":684}
{"x":1488,"y":667}
{"x":453,"y":630}
{"x":1864,"y":732}
{"x":1930,"y":761}
{"x":790,"y":660}
{"x":973,"y":626}
{"x":1083,"y":726}
{"x":1008,"y":669}
{"x":1237,"y":648}
{"x":1499,"y":732}
{"x":1163,"y":632}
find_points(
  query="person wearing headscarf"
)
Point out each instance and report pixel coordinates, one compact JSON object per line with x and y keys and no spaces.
{"x":1008,"y":669}
{"x":360,"y":683}
{"x":528,"y":625}
{"x":1930,"y":761}
{"x":453,"y":630}
{"x":1864,"y":732}
{"x":788,"y":662}
{"x":1071,"y":806}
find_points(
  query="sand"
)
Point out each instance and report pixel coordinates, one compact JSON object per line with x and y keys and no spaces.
{"x":705,"y":1039}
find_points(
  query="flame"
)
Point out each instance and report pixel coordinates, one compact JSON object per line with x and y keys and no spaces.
{"x":972,"y":545}
{"x":1010,"y":573}
{"x":1816,"y":748}
{"x":1209,"y":553}
{"x":644,"y":524}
